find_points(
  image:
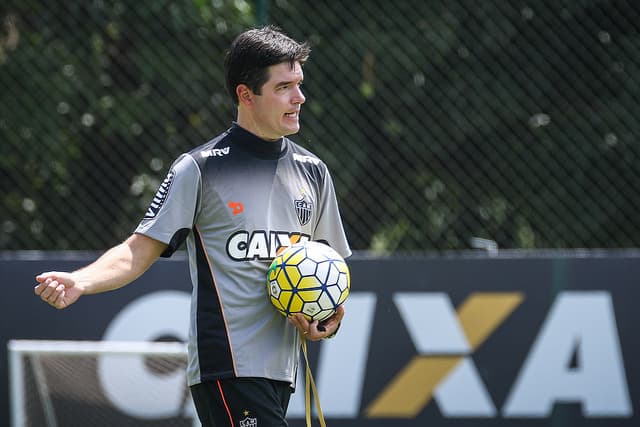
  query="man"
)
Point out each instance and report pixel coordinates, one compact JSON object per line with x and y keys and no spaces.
{"x":232,"y":200}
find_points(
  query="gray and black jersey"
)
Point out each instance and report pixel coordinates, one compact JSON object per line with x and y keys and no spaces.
{"x":235,"y":201}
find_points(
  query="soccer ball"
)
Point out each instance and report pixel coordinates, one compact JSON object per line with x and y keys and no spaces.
{"x":309,"y":278}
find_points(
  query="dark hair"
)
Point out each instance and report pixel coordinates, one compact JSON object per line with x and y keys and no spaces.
{"x":253,"y":51}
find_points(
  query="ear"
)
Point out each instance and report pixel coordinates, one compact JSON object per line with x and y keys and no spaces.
{"x":245,"y":95}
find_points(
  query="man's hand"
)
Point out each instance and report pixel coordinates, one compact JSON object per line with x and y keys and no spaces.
{"x":117,"y":267}
{"x":58,"y":289}
{"x":315,"y":330}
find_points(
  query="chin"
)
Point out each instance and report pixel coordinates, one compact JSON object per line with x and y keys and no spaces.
{"x":291,"y":130}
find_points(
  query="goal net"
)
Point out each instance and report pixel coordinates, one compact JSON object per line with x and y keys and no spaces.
{"x":99,"y":383}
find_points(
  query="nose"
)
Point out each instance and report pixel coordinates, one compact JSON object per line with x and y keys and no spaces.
{"x":298,"y":97}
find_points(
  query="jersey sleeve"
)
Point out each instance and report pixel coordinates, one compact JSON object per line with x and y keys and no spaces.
{"x":329,"y":225}
{"x":172,"y":212}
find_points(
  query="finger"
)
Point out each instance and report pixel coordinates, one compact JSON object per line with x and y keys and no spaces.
{"x":339,"y":313}
{"x":44,"y":276}
{"x":39,"y":288}
{"x":57,"y":300}
{"x":332,"y":321}
{"x":55,"y":295}
{"x":48,"y":288}
{"x":328,"y":324}
{"x":321,"y":330}
{"x":43,"y":282}
{"x":301,"y":321}
{"x":293,"y":319}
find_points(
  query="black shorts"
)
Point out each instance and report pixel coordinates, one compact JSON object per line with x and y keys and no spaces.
{"x":245,"y":402}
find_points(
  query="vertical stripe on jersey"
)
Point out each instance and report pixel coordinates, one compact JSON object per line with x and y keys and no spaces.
{"x":214,"y":348}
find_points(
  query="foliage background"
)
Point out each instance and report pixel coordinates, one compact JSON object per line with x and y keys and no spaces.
{"x":447,"y":125}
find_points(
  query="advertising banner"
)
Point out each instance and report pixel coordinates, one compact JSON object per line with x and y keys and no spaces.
{"x":538,"y":340}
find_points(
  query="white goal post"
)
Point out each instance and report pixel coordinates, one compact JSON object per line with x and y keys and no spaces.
{"x":67,"y":383}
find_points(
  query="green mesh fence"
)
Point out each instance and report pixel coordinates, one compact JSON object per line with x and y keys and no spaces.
{"x":446,"y":124}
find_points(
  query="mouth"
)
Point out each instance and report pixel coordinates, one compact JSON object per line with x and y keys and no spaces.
{"x":292,"y":115}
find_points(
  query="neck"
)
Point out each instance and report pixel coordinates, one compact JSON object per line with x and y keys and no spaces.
{"x":255,"y":145}
{"x":248,"y":123}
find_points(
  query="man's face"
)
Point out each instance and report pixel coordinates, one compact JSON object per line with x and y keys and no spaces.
{"x":277,"y":109}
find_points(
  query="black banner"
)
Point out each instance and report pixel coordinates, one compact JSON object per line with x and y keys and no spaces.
{"x":539,"y":340}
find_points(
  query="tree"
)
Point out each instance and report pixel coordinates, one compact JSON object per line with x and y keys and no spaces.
{"x":100,"y":97}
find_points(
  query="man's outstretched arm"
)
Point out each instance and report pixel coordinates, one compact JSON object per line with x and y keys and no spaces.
{"x":117,"y":267}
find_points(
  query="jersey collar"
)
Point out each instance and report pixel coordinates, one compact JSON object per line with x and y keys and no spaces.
{"x":256,"y":145}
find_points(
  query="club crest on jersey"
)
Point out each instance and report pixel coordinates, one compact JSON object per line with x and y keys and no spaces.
{"x":160,"y":196}
{"x":304,"y":209}
{"x":249,"y":422}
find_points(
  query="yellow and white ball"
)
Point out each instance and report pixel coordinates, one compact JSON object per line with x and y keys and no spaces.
{"x":309,"y":278}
